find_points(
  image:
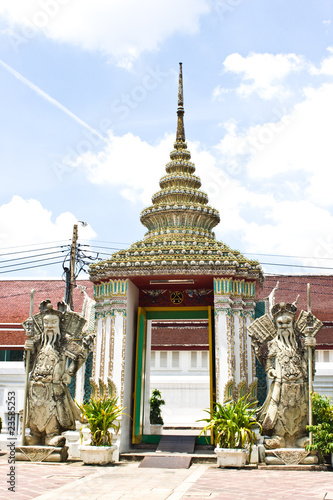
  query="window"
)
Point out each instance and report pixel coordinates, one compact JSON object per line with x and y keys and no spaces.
{"x":11,"y":355}
{"x":326,"y":356}
{"x":194,"y":359}
{"x":152,"y":359}
{"x":204,"y":359}
{"x":175,"y":359}
{"x":163,"y":359}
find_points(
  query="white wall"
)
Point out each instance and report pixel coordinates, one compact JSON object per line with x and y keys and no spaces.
{"x":185,"y":389}
{"x":12,"y":377}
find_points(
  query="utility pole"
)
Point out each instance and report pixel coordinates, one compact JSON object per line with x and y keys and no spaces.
{"x":70,"y":273}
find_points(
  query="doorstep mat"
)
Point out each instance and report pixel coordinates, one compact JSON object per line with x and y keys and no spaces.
{"x":163,"y":462}
{"x":176,"y":444}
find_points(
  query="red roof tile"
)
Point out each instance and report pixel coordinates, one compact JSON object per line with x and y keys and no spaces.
{"x":15,"y":303}
{"x":291,"y":286}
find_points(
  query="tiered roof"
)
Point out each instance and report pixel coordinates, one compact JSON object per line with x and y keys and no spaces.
{"x":180,"y":237}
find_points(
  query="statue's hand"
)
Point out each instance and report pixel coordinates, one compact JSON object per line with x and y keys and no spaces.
{"x":310,"y":342}
{"x":88,"y":342}
{"x":271,"y":373}
{"x":66,"y":378}
{"x":29,"y":345}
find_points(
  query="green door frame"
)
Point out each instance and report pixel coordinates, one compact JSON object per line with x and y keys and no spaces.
{"x":172,"y":313}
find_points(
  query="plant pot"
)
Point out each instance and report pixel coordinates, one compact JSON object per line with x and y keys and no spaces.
{"x":96,"y":455}
{"x":156,"y":429}
{"x":231,"y":457}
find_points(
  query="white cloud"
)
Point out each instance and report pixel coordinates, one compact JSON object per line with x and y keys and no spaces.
{"x":122,"y":30}
{"x":29,"y":222}
{"x":263,"y":73}
{"x":326,"y":66}
{"x":296,"y":146}
{"x":130,"y":163}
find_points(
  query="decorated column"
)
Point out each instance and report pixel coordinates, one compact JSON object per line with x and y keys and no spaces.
{"x":233,"y":354}
{"x":116,"y":309}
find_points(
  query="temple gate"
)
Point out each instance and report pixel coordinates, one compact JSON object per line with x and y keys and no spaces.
{"x":178,"y":270}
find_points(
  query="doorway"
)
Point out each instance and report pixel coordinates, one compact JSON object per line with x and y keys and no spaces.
{"x":175,"y":355}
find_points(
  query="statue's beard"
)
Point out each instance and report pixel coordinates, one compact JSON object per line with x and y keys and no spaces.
{"x":50,"y":337}
{"x":287,"y":338}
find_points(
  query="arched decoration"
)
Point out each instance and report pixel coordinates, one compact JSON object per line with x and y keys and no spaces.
{"x":242,"y":389}
{"x":229,"y":390}
{"x":253,"y":391}
{"x":111,"y":388}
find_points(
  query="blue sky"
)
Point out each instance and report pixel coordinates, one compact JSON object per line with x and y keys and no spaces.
{"x":88,"y":95}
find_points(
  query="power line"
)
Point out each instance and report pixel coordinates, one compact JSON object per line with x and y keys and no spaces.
{"x":29,"y":262}
{"x":294,"y":265}
{"x":32,"y":256}
{"x":32,"y":251}
{"x":33,"y":245}
{"x":30,"y":267}
{"x":285,"y":256}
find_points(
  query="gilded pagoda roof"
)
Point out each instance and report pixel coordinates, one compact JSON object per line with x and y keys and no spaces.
{"x":180,"y":237}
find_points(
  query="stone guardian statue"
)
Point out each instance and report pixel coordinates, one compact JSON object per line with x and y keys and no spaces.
{"x":57,"y":350}
{"x":281,"y":345}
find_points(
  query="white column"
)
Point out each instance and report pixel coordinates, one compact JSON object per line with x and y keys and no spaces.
{"x":224,"y":354}
{"x":249,"y":317}
{"x":237,"y":344}
{"x":118,"y":350}
{"x":98,"y":350}
{"x":107,"y":348}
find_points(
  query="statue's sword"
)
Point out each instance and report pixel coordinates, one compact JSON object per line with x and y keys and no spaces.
{"x":27,"y":363}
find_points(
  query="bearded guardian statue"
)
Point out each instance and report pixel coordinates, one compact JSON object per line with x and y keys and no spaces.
{"x":55,"y":357}
{"x":281,"y":345}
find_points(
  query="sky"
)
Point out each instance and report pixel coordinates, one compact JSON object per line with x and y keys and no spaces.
{"x":88,"y":99}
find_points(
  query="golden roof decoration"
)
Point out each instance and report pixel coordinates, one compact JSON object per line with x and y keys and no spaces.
{"x":179,"y":239}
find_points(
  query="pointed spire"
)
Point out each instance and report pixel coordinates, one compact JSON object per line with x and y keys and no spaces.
{"x":180,"y":136}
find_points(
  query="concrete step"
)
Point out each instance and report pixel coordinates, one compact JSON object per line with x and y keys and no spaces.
{"x":201,"y":454}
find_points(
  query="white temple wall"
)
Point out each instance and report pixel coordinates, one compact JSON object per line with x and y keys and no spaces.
{"x":12,"y":379}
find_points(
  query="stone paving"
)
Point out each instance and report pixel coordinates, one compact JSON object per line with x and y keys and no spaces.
{"x":125,"y":481}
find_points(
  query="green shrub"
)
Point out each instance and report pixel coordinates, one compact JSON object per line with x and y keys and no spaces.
{"x":101,"y":415}
{"x":322,"y":428}
{"x":155,"y":403}
{"x":233,"y":423}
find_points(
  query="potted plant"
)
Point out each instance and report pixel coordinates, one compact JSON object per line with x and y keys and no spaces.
{"x":156,"y":420}
{"x":322,"y":428}
{"x":233,"y":426}
{"x":101,"y":415}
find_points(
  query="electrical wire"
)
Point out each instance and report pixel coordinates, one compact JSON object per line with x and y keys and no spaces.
{"x":31,"y":267}
{"x":32,"y":245}
{"x":29,"y":262}
{"x":32,"y":256}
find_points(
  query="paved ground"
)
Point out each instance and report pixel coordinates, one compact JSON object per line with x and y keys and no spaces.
{"x":73,"y":480}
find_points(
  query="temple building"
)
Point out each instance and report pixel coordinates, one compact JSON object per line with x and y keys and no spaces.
{"x":177,"y":273}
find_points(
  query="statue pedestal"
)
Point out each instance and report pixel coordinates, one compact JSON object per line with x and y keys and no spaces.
{"x":290,"y":456}
{"x":41,"y":454}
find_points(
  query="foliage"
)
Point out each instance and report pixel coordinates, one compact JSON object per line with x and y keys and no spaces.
{"x":156,"y":402}
{"x":233,"y":423}
{"x":322,"y":428}
{"x":101,"y":415}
